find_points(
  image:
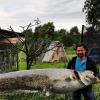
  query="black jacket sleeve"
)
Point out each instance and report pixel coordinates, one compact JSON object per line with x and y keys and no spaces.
{"x":91,"y":65}
{"x":71,"y":64}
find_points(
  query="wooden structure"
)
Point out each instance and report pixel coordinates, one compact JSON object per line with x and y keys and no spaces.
{"x":8,"y":53}
{"x":56,"y":52}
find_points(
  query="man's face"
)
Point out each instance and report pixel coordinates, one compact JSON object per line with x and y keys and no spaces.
{"x":81,"y":52}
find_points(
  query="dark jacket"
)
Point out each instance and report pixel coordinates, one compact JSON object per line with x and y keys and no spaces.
{"x":90,"y":65}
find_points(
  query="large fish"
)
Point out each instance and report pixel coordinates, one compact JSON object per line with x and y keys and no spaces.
{"x":58,"y":80}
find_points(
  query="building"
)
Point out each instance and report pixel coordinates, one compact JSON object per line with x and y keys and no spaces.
{"x":8,"y":53}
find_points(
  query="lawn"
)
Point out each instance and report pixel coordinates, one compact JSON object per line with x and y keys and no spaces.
{"x":40,"y":65}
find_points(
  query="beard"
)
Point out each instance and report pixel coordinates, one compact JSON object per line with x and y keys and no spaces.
{"x":81,"y":55}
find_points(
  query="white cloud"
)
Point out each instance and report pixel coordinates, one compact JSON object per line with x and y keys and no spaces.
{"x":4,"y":14}
{"x":21,"y":12}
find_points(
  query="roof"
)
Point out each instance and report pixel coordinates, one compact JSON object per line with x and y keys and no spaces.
{"x":8,"y":34}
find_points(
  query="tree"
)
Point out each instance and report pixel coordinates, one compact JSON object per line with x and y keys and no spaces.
{"x":59,"y":35}
{"x":66,"y":38}
{"x":74,"y":30}
{"x":44,"y":31}
{"x":36,"y":43}
{"x":33,"y":43}
{"x":92,"y":11}
{"x":40,"y":41}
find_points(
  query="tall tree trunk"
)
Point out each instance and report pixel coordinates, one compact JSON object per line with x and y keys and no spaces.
{"x":27,"y":61}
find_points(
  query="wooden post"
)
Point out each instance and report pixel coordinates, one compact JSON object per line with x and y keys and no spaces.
{"x":82,"y":33}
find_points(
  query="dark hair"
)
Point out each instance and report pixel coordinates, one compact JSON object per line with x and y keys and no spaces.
{"x":81,"y":44}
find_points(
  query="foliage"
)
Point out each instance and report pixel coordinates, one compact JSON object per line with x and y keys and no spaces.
{"x":67,"y":38}
{"x":71,"y":40}
{"x":60,"y":35}
{"x":92,"y":11}
{"x":74,"y":30}
{"x":44,"y":31}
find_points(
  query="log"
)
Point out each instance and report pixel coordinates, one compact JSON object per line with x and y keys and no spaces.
{"x":57,"y":80}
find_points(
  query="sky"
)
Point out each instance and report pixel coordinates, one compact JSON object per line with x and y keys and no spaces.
{"x":63,"y":13}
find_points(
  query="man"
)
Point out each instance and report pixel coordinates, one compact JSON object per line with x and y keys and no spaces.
{"x":81,"y":63}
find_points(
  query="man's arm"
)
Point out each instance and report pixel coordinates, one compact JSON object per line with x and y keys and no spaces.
{"x":69,"y":66}
{"x":93,"y":66}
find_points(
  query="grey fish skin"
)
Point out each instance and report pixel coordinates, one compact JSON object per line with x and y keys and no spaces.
{"x":58,"y":80}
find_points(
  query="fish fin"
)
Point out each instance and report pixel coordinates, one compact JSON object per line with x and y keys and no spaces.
{"x":76,"y":74}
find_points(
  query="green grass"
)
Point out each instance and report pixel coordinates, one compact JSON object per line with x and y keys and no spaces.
{"x":37,"y":96}
{"x":40,"y":65}
{"x":22,"y":65}
{"x":48,"y":65}
{"x":21,"y":55}
{"x":70,"y":50}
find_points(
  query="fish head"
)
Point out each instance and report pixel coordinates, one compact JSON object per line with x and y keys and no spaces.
{"x":87,"y":77}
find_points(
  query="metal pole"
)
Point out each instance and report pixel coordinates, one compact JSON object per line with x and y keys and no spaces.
{"x":82,"y":33}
